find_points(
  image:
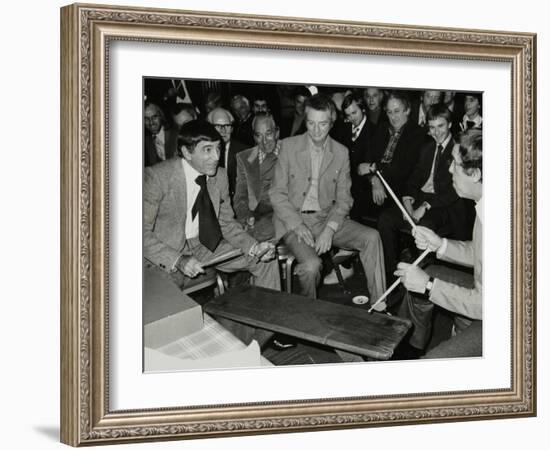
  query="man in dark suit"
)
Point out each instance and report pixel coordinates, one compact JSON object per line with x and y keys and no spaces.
{"x":419,"y":109}
{"x":255,"y":168}
{"x":242,"y":127}
{"x":394,"y":152}
{"x":429,"y":197}
{"x":159,"y":139}
{"x":295,"y":125}
{"x":223,"y":122}
{"x":357,"y":139}
{"x":374,"y":100}
{"x":456,"y":106}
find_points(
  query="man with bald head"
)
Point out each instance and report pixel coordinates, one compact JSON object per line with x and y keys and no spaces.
{"x":255,"y":168}
{"x":223,"y":121}
{"x":160,"y":139}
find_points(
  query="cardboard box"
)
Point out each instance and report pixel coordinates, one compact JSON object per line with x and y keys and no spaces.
{"x":168,"y":314}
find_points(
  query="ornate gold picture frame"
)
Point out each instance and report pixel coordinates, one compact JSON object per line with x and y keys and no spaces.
{"x":87,"y":32}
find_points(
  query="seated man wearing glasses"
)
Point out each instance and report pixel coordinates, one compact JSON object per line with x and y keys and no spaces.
{"x":452,"y":290}
{"x":311,"y":199}
{"x":223,"y":121}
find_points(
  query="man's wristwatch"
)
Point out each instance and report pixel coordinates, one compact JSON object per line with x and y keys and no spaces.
{"x":429,"y":286}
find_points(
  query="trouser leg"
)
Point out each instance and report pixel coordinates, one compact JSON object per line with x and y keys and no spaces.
{"x":354,"y":236}
{"x":308,"y":267}
{"x":266,"y":274}
{"x":419,"y":311}
{"x":467,"y":343}
{"x":388,"y":226}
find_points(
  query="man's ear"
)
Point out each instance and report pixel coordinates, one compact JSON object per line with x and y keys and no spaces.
{"x":476,"y":175}
{"x":185,"y":152}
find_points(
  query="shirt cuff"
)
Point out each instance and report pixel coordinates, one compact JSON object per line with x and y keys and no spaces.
{"x":252,"y":249}
{"x":174,"y":266}
{"x":441,"y":250}
{"x":407,"y":197}
{"x":333,"y":225}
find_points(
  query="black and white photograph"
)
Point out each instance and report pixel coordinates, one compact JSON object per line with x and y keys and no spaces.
{"x":273,"y":224}
{"x":296,"y":224}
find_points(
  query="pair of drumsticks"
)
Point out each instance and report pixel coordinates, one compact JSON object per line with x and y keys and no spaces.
{"x":413,"y":225}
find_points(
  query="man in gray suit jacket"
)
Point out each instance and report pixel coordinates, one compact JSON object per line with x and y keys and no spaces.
{"x":450,"y":289}
{"x":255,"y":169}
{"x":311,"y":199}
{"x":174,"y":235}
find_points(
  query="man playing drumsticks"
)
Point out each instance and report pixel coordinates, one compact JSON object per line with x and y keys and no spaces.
{"x":438,"y":285}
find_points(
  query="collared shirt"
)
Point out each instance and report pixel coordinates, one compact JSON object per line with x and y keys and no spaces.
{"x":356,"y":131}
{"x":428,"y":187}
{"x":192,"y":189}
{"x":159,"y":140}
{"x":473,"y":123}
{"x":311,"y":202}
{"x":262,"y":154}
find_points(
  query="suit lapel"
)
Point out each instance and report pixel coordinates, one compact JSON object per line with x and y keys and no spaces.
{"x":214,"y":193}
{"x":253,"y":169}
{"x":180,"y":193}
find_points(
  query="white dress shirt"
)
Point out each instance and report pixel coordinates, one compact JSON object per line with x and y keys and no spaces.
{"x":356,"y":131}
{"x":192,"y":189}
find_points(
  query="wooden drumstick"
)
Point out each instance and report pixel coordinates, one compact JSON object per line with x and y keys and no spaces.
{"x":396,"y":200}
{"x":396,"y":282}
{"x":222,"y":258}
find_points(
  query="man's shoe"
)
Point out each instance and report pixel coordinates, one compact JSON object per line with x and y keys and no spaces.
{"x":282,"y":342}
{"x":331,"y":278}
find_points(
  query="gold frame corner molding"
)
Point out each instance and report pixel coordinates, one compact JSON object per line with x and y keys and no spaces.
{"x":86,"y":33}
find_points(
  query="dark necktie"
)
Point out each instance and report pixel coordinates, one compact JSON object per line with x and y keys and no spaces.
{"x":210,"y":233}
{"x":470,"y":124}
{"x":438,"y":152}
{"x":221,"y":161}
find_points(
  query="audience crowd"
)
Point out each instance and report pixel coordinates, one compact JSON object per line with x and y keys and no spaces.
{"x":317,"y":169}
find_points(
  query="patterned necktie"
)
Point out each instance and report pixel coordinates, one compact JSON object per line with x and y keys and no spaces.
{"x":210,"y":233}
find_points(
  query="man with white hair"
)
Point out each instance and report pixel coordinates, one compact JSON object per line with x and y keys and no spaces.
{"x":243,"y":126}
{"x":223,"y":122}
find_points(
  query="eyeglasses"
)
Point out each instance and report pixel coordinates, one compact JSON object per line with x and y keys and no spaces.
{"x":223,"y":126}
